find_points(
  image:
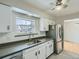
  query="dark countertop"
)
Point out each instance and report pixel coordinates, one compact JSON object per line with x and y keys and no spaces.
{"x":17,"y":47}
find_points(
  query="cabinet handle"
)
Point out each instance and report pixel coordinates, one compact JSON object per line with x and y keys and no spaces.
{"x":8,"y":27}
{"x":36,"y":53}
{"x":51,"y":45}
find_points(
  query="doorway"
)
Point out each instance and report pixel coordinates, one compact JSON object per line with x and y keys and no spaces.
{"x":71,"y":35}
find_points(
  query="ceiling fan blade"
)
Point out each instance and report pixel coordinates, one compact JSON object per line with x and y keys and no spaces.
{"x":62,"y":3}
{"x":59,"y":2}
{"x":65,"y":1}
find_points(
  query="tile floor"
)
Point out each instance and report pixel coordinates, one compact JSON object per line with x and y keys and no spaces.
{"x":65,"y":55}
{"x":71,"y":51}
{"x":71,"y":46}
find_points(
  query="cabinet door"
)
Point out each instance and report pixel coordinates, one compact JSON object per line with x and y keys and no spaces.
{"x":46,"y":24}
{"x":30,"y":54}
{"x":41,"y":52}
{"x":48,"y":50}
{"x":51,"y":48}
{"x":43,"y":24}
{"x":5,"y":18}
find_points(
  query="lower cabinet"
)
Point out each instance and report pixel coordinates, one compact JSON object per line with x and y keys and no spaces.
{"x":30,"y":54}
{"x":38,"y":53}
{"x":49,"y":48}
{"x":41,"y":53}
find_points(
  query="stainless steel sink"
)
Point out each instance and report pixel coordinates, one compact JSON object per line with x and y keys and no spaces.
{"x":34,"y":42}
{"x":30,"y":43}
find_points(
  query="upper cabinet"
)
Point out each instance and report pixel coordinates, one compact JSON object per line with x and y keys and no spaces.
{"x":50,"y":22}
{"x":5,"y":18}
{"x":43,"y":24}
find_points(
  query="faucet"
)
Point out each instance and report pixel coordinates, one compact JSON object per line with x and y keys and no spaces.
{"x":29,"y":37}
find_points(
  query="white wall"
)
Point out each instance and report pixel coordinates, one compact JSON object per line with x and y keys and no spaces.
{"x":71,"y":30}
{"x":60,"y":19}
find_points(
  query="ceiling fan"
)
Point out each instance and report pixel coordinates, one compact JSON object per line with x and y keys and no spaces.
{"x":61,"y":4}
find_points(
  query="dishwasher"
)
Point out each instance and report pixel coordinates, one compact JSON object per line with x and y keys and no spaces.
{"x":15,"y":56}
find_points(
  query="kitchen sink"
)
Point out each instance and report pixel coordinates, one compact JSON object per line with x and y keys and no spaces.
{"x":34,"y":42}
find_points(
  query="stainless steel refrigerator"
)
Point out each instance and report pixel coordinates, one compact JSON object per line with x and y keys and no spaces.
{"x":56,"y":33}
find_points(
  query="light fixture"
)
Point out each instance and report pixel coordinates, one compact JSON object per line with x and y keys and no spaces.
{"x":58,"y":7}
{"x":60,"y":4}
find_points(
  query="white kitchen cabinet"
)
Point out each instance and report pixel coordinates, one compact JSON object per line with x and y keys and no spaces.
{"x":41,"y":52}
{"x":49,"y":48}
{"x":35,"y":53}
{"x":30,"y":54}
{"x":43,"y":24}
{"x":5,"y":18}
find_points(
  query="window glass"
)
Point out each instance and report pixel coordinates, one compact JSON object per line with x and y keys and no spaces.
{"x":25,"y":25}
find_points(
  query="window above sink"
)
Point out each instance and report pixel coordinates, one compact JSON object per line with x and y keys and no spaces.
{"x":25,"y":25}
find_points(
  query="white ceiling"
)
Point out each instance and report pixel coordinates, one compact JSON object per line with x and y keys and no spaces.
{"x":43,"y":4}
{"x":46,"y":5}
